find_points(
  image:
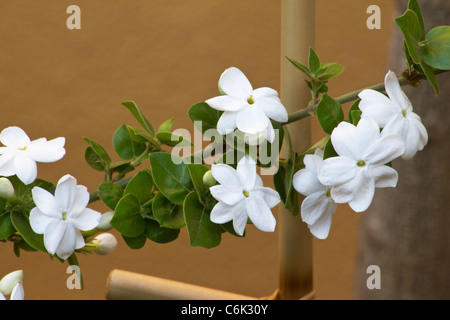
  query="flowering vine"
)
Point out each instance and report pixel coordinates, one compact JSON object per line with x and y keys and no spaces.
{"x":225,"y":194}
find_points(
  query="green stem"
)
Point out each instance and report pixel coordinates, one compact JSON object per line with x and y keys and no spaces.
{"x":413,"y":80}
{"x":351,"y":96}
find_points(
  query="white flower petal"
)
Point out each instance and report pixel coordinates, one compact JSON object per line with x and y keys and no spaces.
{"x":7,"y":163}
{"x":364,"y":195}
{"x":46,"y":151}
{"x":87,"y":220}
{"x":39,"y":220}
{"x":313,"y":207}
{"x":264,"y":92}
{"x":305,"y":182}
{"x":270,"y":196}
{"x":79,"y":242}
{"x":344,"y":140}
{"x":246,"y":168}
{"x":273,"y":108}
{"x":226,"y":176}
{"x":65,"y":192}
{"x":385,"y":149}
{"x":234,"y":83}
{"x":14,"y":137}
{"x":395,"y":92}
{"x":240,"y":222}
{"x":252,"y":120}
{"x":53,"y":234}
{"x":227,"y":122}
{"x":227,"y":196}
{"x":18,"y":292}
{"x":25,"y":168}
{"x":80,"y":201}
{"x":367,"y":133}
{"x":336,"y":170}
{"x":346,"y":192}
{"x":377,"y":106}
{"x":321,"y":228}
{"x":227,"y":103}
{"x":68,"y":243}
{"x":260,"y":214}
{"x":46,"y":202}
{"x":222,"y":213}
{"x":384,"y":176}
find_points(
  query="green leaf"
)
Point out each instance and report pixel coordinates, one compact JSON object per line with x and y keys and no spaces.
{"x":6,"y":226}
{"x":329,"y":151}
{"x":141,"y":137}
{"x":124,"y":145}
{"x":159,"y":234}
{"x":197,"y":171}
{"x":171,"y":178}
{"x":166,"y":126}
{"x":431,"y":76}
{"x":301,"y":67}
{"x":141,"y":186}
{"x":329,"y":70}
{"x":110,"y":193}
{"x":203,"y":116}
{"x":202,"y":232}
{"x":169,"y":215}
{"x":94,"y":161}
{"x":101,"y":152}
{"x":329,"y":113}
{"x":131,"y":105}
{"x":313,"y":61}
{"x":22,"y":225}
{"x":436,"y":51}
{"x":135,"y":242}
{"x":354,"y":113}
{"x":172,"y":139}
{"x":410,"y":27}
{"x":414,"y":6}
{"x":127,"y":218}
{"x":279,"y":183}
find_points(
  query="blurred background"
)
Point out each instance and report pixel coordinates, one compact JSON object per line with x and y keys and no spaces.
{"x":166,"y":56}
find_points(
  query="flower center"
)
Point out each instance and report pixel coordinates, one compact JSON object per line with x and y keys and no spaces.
{"x":64,"y":215}
{"x":246,"y":193}
{"x":360,"y":163}
{"x":250,"y":100}
{"x":404,"y":113}
{"x":328,"y":193}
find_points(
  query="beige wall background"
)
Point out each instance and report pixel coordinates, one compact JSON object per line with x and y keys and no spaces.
{"x":166,"y":56}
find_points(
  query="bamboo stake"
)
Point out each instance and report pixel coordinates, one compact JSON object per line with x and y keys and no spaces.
{"x":125,"y":285}
{"x":297,"y":36}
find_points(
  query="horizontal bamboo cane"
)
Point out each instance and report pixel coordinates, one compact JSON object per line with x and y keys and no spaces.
{"x":126,"y":285}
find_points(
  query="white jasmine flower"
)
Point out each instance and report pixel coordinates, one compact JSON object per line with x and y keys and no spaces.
{"x":19,"y":154}
{"x":61,"y":217}
{"x":395,"y":115}
{"x":360,"y":167}
{"x":241,"y":195}
{"x":244,"y":108}
{"x":318,"y":207}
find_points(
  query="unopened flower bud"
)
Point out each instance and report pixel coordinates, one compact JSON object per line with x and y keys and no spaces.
{"x":208,"y":179}
{"x":8,"y":282}
{"x":106,"y":243}
{"x":105,"y":221}
{"x":6,"y":188}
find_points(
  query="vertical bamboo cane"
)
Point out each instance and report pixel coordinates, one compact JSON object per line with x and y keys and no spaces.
{"x":297,"y":36}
